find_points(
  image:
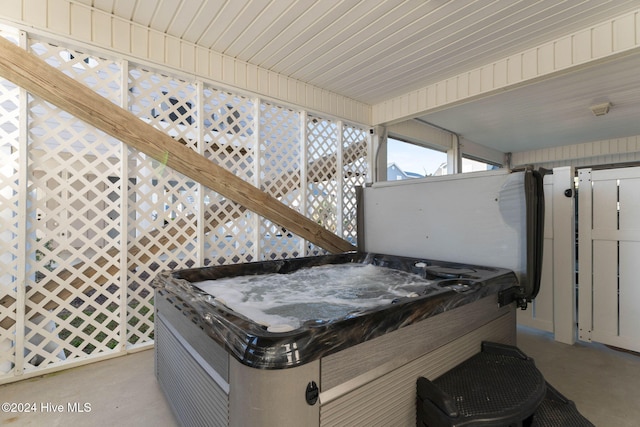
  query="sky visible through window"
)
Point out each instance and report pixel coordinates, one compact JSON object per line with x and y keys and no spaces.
{"x":414,"y":158}
{"x":425,"y":161}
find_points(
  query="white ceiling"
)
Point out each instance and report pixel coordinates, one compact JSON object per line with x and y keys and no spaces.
{"x":554,"y":112}
{"x":373,"y":50}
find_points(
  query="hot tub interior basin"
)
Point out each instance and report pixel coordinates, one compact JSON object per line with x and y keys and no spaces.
{"x":260,"y":311}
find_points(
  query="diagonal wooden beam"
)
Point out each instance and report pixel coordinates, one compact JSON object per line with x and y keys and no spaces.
{"x":39,"y":78}
{"x":350,"y":154}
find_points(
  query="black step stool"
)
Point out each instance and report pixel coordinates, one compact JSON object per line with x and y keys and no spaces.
{"x":500,"y":386}
{"x":556,"y":410}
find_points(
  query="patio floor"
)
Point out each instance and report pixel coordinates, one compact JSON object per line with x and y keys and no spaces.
{"x":122,"y":392}
{"x":604,"y":384}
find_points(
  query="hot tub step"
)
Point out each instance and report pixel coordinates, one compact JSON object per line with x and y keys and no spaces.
{"x":556,"y":410}
{"x":500,"y":386}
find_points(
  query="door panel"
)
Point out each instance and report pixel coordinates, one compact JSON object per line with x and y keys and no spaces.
{"x":609,"y":215}
{"x":605,"y":286}
{"x":629,"y":289}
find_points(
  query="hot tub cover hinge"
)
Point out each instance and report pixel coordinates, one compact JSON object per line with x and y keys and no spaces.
{"x":512,"y":294}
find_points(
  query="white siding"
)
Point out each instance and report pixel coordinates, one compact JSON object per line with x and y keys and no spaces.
{"x":596,"y":43}
{"x":621,"y":150}
{"x":86,"y":26}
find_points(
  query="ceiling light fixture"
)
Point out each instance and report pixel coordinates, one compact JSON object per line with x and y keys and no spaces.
{"x":600,"y":109}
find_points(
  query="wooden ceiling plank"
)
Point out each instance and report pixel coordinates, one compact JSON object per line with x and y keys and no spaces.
{"x":308,"y":37}
{"x":124,"y":8}
{"x":308,"y":23}
{"x":329,"y":42}
{"x":181,"y":21}
{"x":200,"y":26}
{"x":461,"y":47}
{"x":267,"y":17}
{"x":427,"y":24}
{"x":221,"y":23}
{"x":275,"y":28}
{"x":460,"y":55}
{"x":144,"y":11}
{"x":107,"y":5}
{"x":164,"y":14}
{"x":365,"y":46}
{"x":247,"y":17}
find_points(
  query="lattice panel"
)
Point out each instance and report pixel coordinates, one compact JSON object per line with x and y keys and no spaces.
{"x":166,"y":103}
{"x":322,"y":182}
{"x":101,"y":75}
{"x":229,"y":131}
{"x":87,"y":197}
{"x":355,"y":167}
{"x":229,"y":237}
{"x":163,"y":204}
{"x":162,"y":235}
{"x":74,"y":224}
{"x":9,"y":217}
{"x":279,"y":175}
{"x":73,"y":238}
{"x":229,"y":134}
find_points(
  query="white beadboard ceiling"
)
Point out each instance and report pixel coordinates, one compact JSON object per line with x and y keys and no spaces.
{"x":555,"y":112}
{"x":374,"y":50}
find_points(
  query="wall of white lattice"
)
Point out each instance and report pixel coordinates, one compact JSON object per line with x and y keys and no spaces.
{"x":86,"y":222}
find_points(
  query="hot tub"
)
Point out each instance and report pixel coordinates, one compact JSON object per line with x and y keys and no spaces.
{"x":223,"y":360}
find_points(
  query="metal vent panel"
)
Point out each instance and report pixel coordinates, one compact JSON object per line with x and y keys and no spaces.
{"x":212,"y":354}
{"x":190,"y":391}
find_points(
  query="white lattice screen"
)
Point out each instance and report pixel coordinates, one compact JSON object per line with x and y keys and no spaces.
{"x":163,"y":213}
{"x":10,"y":227}
{"x":354,"y":174}
{"x":229,"y":141}
{"x":279,"y":175}
{"x":322,"y":182}
{"x":73,"y":286}
{"x":87,"y":222}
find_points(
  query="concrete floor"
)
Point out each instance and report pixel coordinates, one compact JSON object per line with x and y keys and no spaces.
{"x":604,"y":384}
{"x":122,"y":392}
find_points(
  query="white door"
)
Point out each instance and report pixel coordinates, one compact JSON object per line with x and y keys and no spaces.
{"x":609,"y":256}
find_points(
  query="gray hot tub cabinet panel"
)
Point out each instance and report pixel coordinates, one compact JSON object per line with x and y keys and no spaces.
{"x":408,"y":343}
{"x":219,"y":368}
{"x":389,"y":399}
{"x":193,"y":394}
{"x":381,"y":394}
{"x":206,"y":387}
{"x":266,"y":397}
{"x":195,"y":338}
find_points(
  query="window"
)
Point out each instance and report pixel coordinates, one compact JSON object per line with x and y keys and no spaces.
{"x":472,"y":165}
{"x":406,"y":161}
